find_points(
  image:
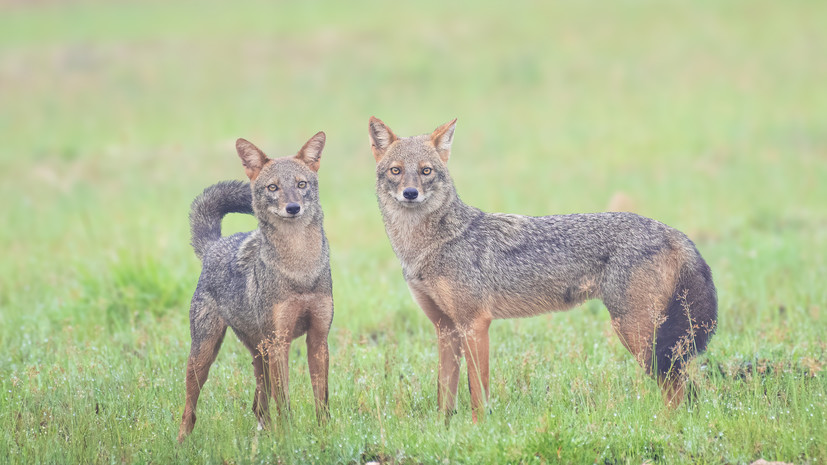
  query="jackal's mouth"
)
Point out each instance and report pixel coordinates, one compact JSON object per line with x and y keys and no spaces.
{"x":411,"y":203}
{"x":287,"y":216}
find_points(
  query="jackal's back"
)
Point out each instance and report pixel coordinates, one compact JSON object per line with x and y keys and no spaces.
{"x":539,"y":264}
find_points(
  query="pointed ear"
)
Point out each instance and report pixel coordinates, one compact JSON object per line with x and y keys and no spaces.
{"x":311,"y":153}
{"x":442,"y":138}
{"x":252,"y":158}
{"x":381,"y":137}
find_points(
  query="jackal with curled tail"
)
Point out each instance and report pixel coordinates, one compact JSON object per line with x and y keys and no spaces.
{"x":465,"y":268}
{"x":270,"y":285}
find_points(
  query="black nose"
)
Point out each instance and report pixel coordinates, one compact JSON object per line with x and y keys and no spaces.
{"x":293,"y":208}
{"x":410,"y":193}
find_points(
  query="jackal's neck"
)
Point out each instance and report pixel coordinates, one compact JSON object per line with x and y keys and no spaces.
{"x":294,"y":248}
{"x":415,"y":234}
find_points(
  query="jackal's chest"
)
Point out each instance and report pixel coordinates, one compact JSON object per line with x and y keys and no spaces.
{"x":415,"y":254}
{"x":284,"y":317}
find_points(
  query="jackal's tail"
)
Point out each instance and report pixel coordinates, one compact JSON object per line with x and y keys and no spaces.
{"x":210,"y":207}
{"x":691,"y":317}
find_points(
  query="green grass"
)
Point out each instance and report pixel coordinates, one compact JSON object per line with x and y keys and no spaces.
{"x":708,"y":116}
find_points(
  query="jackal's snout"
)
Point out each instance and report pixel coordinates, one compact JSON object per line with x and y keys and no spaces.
{"x":289,"y":208}
{"x":411,"y":193}
{"x":293,"y":208}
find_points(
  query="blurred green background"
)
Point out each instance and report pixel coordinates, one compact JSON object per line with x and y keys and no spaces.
{"x":710,"y":116}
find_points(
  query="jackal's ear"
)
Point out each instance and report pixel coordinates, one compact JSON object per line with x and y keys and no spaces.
{"x":381,"y":137}
{"x":252,"y":158}
{"x":442,"y":138}
{"x":311,"y":153}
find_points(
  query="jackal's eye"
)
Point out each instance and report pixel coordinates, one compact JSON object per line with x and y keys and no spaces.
{"x":426,"y":171}
{"x":301,"y":184}
{"x":395,"y":170}
{"x":272,"y":187}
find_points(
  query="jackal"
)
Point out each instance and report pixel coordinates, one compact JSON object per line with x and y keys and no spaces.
{"x":465,"y":267}
{"x":270,"y":285}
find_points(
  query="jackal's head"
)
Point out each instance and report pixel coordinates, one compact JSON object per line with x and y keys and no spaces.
{"x":284,"y":189}
{"x":411,"y":172}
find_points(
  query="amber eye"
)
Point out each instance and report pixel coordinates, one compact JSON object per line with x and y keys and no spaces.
{"x":426,"y":171}
{"x":302,"y":184}
{"x":272,"y":187}
{"x":395,"y":170}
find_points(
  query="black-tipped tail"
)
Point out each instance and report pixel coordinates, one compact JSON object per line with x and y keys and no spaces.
{"x":691,"y":318}
{"x":209,"y":208}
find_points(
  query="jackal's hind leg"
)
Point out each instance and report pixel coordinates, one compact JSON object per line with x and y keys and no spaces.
{"x":207,"y":334}
{"x":637,"y":334}
{"x":673,"y":387}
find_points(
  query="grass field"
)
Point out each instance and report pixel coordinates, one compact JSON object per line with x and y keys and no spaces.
{"x":708,"y":116}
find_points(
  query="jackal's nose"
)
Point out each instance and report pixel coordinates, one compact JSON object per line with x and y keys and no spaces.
{"x":410,"y":193}
{"x":293,"y":208}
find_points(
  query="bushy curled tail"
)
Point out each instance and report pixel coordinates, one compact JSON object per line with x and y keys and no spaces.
{"x":691,"y":317}
{"x":209,"y":208}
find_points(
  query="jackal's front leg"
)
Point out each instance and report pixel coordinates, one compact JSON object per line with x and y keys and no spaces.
{"x":450,"y":354}
{"x":286,"y":315}
{"x":318,"y":359}
{"x":450,"y":351}
{"x":475,"y":338}
{"x":278,"y":354}
{"x":261,"y":398}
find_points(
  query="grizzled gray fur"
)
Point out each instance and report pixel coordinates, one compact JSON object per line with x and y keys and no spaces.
{"x":270,"y":285}
{"x":466,"y":267}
